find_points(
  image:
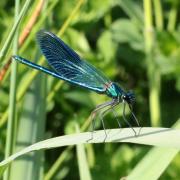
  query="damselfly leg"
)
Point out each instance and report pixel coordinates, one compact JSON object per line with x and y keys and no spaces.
{"x":94,"y":113}
{"x":103,"y":113}
{"x":124,"y":117}
{"x":110,"y":107}
{"x":135,"y":119}
{"x":116,"y":116}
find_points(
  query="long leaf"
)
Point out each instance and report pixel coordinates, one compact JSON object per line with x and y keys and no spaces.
{"x":161,"y":137}
{"x":82,"y":161}
{"x":154,"y":170}
{"x":31,"y":130}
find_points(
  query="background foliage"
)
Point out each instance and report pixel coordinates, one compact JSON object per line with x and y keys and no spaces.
{"x":114,"y":36}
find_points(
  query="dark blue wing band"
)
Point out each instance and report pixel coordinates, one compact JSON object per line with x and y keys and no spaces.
{"x":68,"y":65}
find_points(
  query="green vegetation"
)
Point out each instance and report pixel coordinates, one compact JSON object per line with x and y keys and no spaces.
{"x":136,"y":44}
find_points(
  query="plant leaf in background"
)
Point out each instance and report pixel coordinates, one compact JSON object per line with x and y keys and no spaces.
{"x":31,"y":130}
{"x":82,"y":160}
{"x":8,"y":41}
{"x":95,"y":10}
{"x":125,"y":31}
{"x":133,"y":10}
{"x":106,"y":46}
{"x":161,"y":156}
{"x":168,"y":53}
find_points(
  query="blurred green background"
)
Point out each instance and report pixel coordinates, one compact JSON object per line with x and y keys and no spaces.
{"x":135,"y":43}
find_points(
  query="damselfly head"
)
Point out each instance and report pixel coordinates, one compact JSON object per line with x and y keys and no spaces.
{"x":129,"y":97}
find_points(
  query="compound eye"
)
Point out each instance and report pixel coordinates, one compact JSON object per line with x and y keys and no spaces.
{"x":123,"y":96}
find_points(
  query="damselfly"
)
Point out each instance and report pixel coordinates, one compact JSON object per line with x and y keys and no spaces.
{"x":68,"y":66}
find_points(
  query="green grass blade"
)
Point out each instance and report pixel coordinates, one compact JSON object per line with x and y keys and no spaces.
{"x":53,"y":170}
{"x":154,"y":164}
{"x":82,"y":162}
{"x":7,"y":44}
{"x":31,"y":130}
{"x":12,"y":121}
{"x":158,"y":13}
{"x":172,"y":17}
{"x":161,"y":137}
{"x":154,"y":170}
{"x":153,"y":73}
